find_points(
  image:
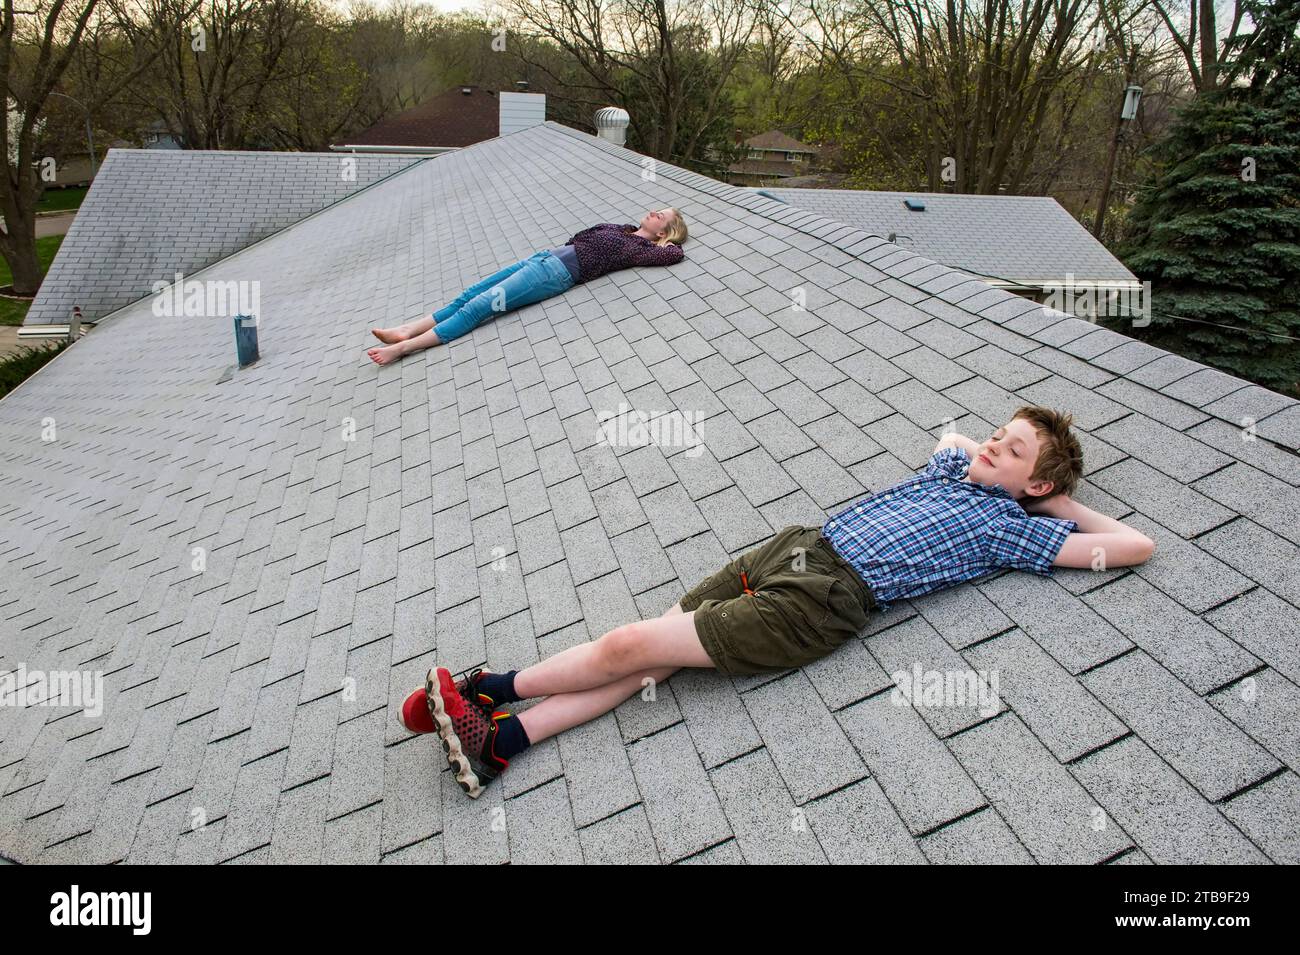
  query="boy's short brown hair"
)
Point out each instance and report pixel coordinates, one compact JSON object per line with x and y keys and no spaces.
{"x":1060,"y":458}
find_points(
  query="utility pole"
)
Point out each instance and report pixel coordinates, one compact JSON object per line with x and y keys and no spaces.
{"x":1132,"y":95}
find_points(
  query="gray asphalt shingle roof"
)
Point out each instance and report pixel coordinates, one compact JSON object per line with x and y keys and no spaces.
{"x":475,"y":517}
{"x":153,"y":212}
{"x":1023,"y":239}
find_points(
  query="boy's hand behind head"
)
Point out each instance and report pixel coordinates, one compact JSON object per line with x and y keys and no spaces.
{"x":1053,"y":506}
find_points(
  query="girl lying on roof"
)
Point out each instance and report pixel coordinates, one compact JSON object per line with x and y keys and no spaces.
{"x":588,"y":255}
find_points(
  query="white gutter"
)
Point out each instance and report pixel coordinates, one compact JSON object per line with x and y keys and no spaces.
{"x":48,"y":331}
{"x":1057,"y":282}
{"x":412,"y":150}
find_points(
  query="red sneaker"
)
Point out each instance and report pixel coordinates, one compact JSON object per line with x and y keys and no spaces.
{"x":415,"y":713}
{"x":467,"y":731}
{"x":415,"y":709}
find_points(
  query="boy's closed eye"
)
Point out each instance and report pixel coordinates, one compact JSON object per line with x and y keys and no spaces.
{"x":999,"y":435}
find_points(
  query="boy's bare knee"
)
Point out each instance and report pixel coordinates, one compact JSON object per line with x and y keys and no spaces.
{"x":623,"y":647}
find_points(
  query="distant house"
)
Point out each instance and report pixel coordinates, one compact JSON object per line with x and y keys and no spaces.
{"x":772,"y":156}
{"x":457,"y":118}
{"x":157,"y":136}
{"x":73,"y":166}
{"x":74,"y":170}
{"x":1023,"y":244}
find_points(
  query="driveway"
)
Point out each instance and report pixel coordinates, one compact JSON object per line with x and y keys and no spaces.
{"x":54,"y":225}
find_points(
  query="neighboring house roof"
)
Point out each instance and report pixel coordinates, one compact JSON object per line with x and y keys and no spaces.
{"x":360,"y":524}
{"x":775,"y":139}
{"x":151,"y":213}
{"x":453,"y":118}
{"x":1025,"y":240}
{"x":820,"y":180}
{"x":764,"y":167}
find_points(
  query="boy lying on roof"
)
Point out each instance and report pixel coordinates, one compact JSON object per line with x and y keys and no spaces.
{"x":975,"y":508}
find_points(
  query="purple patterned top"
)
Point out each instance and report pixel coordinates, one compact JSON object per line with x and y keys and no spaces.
{"x":610,"y":246}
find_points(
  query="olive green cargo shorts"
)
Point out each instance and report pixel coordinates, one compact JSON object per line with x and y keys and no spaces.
{"x":797,"y":601}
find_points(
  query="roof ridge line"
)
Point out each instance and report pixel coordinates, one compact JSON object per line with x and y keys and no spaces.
{"x":145,"y":151}
{"x":919,"y":192}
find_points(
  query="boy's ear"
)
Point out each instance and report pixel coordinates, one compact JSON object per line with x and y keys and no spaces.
{"x":1038,"y":489}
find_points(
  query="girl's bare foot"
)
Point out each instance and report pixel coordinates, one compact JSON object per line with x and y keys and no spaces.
{"x":382,"y":356}
{"x":390,"y":336}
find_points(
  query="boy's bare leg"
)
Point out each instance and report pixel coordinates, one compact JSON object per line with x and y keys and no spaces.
{"x":603,"y":673}
{"x":670,"y":640}
{"x":562,"y":711}
{"x":391,"y":336}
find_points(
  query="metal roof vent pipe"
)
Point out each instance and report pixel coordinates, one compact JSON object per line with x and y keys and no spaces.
{"x":246,"y":339}
{"x":611,"y":125}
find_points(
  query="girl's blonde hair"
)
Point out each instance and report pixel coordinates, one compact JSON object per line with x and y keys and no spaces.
{"x":677,"y":231}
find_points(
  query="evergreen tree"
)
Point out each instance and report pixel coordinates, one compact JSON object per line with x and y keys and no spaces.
{"x":1218,"y":231}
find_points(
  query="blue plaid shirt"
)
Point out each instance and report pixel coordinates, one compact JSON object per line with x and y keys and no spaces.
{"x":935,"y":529}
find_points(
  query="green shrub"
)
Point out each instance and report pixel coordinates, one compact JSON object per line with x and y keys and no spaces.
{"x":21,"y":365}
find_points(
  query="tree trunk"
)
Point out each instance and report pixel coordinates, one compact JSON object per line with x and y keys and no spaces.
{"x":23,"y":264}
{"x":19,"y":241}
{"x":1209,"y":46}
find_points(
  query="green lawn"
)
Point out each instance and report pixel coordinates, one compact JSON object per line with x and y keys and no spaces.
{"x":13,"y":312}
{"x":57,"y":200}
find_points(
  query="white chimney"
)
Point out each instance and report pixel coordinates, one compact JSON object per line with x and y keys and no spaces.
{"x":520,"y":111}
{"x":611,"y":125}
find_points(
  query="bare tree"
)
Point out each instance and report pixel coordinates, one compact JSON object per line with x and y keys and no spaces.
{"x":978,"y":78}
{"x":777,"y":55}
{"x":37,"y":44}
{"x":406,"y":52}
{"x":672,"y":59}
{"x":216,"y":64}
{"x":1196,"y":34}
{"x":346,"y":73}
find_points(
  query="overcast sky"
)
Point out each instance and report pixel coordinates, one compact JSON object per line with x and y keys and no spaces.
{"x":449,"y":6}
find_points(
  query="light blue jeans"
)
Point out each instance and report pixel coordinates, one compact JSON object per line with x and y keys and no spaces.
{"x":529,"y":280}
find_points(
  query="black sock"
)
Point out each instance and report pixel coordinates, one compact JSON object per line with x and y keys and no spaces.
{"x":499,"y":686}
{"x":512,"y":738}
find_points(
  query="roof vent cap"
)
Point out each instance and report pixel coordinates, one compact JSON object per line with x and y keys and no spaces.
{"x":916,"y":205}
{"x":611,"y":124}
